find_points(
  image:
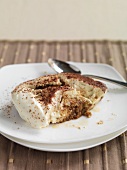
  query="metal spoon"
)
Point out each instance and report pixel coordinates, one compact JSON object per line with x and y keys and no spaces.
{"x":61,"y":66}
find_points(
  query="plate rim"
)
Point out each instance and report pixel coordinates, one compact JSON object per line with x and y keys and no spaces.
{"x":111,"y":137}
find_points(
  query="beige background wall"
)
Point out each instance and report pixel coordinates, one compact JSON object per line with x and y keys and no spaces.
{"x":63,"y":19}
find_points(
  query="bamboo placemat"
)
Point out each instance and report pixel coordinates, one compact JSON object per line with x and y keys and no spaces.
{"x":109,"y":156}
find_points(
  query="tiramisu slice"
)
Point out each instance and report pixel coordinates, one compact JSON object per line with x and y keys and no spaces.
{"x":56,"y":98}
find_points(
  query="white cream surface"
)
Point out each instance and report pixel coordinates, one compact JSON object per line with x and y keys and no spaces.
{"x":30,"y":109}
{"x":36,"y":114}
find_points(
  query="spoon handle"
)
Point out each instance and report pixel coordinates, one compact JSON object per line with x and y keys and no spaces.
{"x":124,"y":84}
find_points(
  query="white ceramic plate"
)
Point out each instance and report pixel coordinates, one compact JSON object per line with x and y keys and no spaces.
{"x":111,"y":110}
{"x":67,"y":147}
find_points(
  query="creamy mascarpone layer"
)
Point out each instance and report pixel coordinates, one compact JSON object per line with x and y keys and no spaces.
{"x":30,"y":109}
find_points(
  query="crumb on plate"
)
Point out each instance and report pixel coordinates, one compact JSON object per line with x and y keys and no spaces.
{"x":100,"y":122}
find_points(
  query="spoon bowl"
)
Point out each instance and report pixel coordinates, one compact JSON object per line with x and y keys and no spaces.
{"x":61,"y":66}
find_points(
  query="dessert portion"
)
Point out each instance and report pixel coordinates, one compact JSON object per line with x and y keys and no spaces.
{"x":56,"y":98}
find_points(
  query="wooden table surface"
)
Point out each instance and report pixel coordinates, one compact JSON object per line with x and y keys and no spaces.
{"x":109,"y":156}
